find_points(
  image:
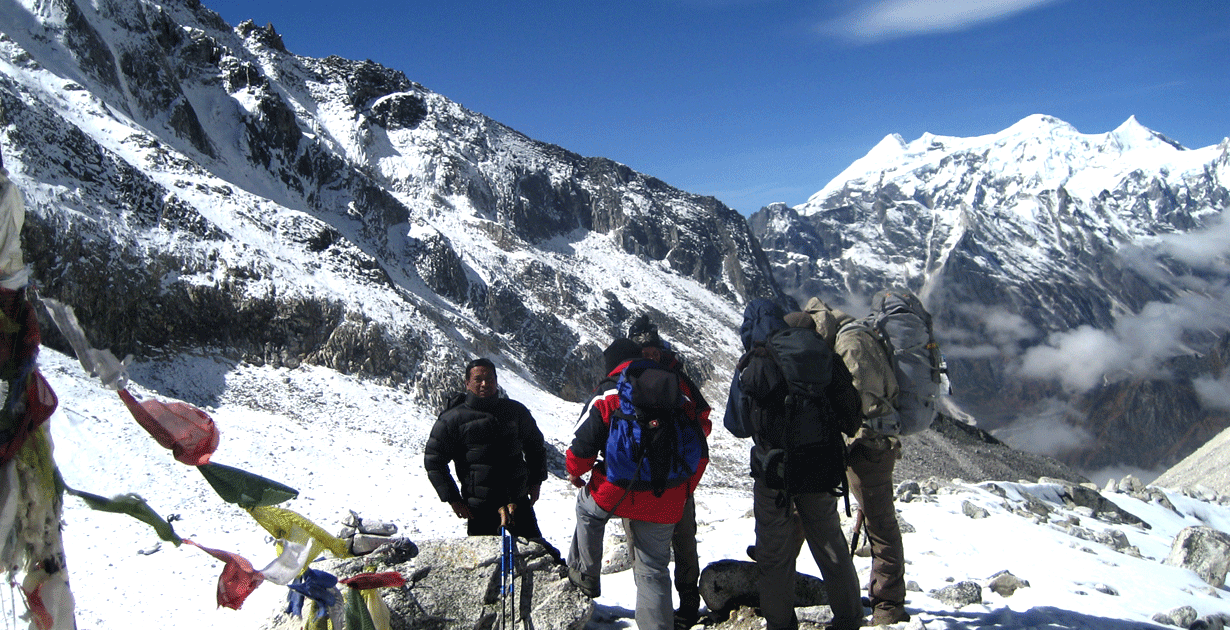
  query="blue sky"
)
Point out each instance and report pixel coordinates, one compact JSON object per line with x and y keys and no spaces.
{"x":757,"y":101}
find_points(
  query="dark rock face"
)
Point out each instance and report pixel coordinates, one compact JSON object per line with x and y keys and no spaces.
{"x":728,"y":584}
{"x":954,"y":450}
{"x":1005,"y":258}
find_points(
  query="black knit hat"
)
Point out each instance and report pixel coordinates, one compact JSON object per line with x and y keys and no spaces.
{"x":620,"y":350}
{"x":644,"y":332}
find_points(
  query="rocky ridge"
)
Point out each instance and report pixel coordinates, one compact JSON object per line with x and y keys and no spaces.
{"x":196,"y":186}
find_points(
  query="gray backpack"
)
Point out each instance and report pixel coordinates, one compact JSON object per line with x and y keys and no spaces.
{"x":899,"y":317}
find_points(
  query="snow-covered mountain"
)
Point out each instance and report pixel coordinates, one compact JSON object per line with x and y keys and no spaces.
{"x":1078,"y":281}
{"x":194,"y":187}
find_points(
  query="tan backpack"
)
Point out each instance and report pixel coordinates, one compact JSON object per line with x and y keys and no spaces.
{"x":866,"y":352}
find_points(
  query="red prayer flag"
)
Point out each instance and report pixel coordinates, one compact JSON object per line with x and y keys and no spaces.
{"x":187,"y":431}
{"x":238,"y":578}
{"x":34,"y":600}
{"x":364,"y":581}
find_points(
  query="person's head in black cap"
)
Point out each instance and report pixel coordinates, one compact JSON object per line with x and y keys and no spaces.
{"x":644,"y":332}
{"x":620,"y":350}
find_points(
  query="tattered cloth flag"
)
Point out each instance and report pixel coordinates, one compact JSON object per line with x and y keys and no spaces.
{"x":365,"y":581}
{"x":238,"y":578}
{"x":30,"y":500}
{"x":101,"y":363}
{"x":189,"y":432}
{"x":289,"y":525}
{"x":132,"y":505}
{"x":292,"y":559}
{"x":321,"y":588}
{"x":245,"y":489}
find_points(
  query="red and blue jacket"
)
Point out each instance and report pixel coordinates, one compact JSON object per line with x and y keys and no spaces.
{"x":590,"y":439}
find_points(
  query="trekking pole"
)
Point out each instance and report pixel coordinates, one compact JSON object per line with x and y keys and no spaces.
{"x":508,"y":602}
{"x":858,"y":525}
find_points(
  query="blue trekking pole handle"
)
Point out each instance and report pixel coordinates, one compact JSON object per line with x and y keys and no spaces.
{"x":506,"y":563}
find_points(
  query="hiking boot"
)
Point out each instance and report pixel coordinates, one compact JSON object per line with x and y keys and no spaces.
{"x":685,"y":619}
{"x":589,"y":585}
{"x":885,"y":614}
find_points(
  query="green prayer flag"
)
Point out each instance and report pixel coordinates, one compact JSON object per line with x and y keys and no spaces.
{"x":244,"y":488}
{"x":132,"y":505}
{"x":357,"y":617}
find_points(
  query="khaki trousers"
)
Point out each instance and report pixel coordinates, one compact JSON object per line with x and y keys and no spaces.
{"x":871,"y":459}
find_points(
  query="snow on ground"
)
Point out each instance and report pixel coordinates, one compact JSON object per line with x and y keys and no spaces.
{"x":349,"y":445}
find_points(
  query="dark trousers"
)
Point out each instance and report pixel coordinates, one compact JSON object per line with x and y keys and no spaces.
{"x":687,"y":561}
{"x":485,"y":520}
{"x":781,"y":529}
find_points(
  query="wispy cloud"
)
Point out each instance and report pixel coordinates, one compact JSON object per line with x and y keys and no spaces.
{"x":891,"y":19}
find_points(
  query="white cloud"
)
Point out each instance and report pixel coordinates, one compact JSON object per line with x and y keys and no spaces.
{"x":1083,"y":357}
{"x":1214,"y":393}
{"x":1078,"y":358}
{"x":891,"y":19}
{"x":1049,"y":429}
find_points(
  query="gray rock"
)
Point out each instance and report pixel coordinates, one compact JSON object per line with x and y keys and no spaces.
{"x":1204,"y":550}
{"x":960,"y":594}
{"x":363,"y":544}
{"x":377,"y":528}
{"x":616,"y":556}
{"x":740,"y":618}
{"x":1117,"y":540}
{"x":727,"y":584}
{"x":1130,"y":485}
{"x":1183,"y":616}
{"x":1089,"y":502}
{"x":1005,"y":584}
{"x":456,"y":583}
{"x":907,"y":490}
{"x":1106,"y":589}
{"x":974,"y":511}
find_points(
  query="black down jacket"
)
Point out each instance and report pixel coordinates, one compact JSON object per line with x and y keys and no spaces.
{"x":496,"y":449}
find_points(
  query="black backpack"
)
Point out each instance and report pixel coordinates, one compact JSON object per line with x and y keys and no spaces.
{"x":803,"y":450}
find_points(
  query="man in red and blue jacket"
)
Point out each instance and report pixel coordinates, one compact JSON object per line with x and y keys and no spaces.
{"x":649,"y":515}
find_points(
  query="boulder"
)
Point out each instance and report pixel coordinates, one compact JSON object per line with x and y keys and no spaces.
{"x":1005,"y":583}
{"x":974,"y":511}
{"x":960,"y":594}
{"x":1182,"y":617}
{"x":456,"y":583}
{"x":726,"y":584}
{"x":616,"y":556}
{"x":1204,"y":550}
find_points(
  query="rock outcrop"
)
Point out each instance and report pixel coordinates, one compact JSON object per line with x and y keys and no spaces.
{"x":456,"y":584}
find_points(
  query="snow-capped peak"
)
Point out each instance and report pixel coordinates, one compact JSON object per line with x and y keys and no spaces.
{"x":1041,"y":150}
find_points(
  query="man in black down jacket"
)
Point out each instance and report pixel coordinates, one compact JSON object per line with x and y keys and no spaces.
{"x":498,"y":453}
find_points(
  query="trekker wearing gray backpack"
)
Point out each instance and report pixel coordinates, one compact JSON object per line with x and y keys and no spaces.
{"x":896,"y":367}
